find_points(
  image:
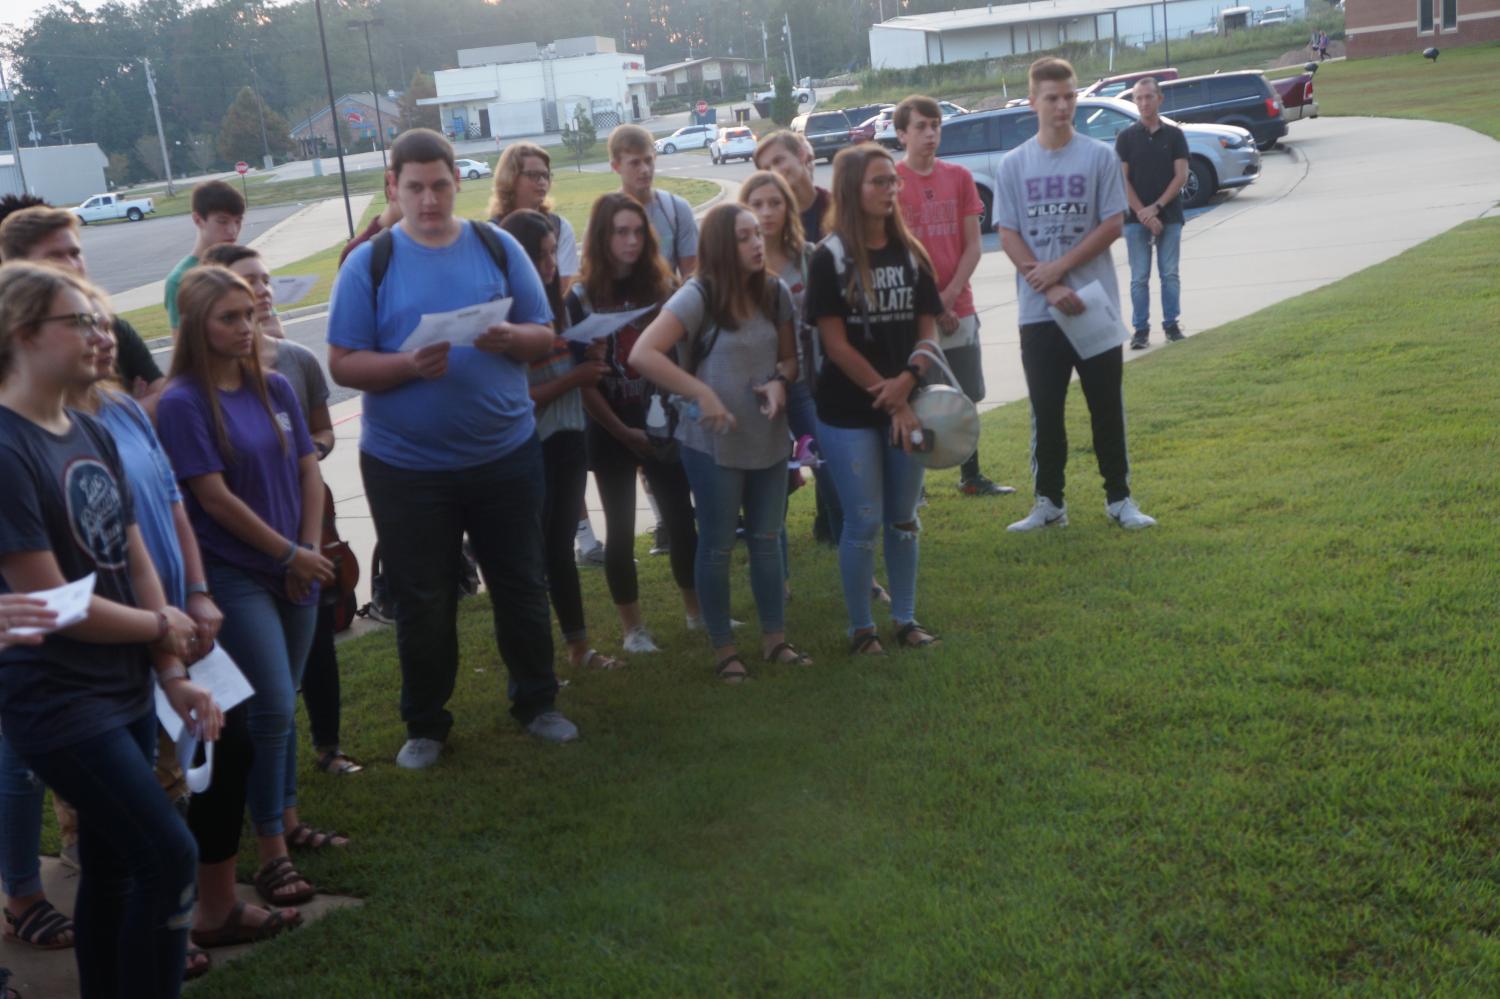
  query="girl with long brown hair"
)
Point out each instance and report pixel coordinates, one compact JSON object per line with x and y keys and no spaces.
{"x":240,"y":445}
{"x":623,"y":272}
{"x":872,"y":294}
{"x":730,"y":327}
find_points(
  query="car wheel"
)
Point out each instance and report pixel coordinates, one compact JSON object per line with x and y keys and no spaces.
{"x":987,"y":220}
{"x":1201,"y":184}
{"x":473,"y":174}
{"x":669,"y":149}
{"x":134,"y":214}
{"x":1266,"y":147}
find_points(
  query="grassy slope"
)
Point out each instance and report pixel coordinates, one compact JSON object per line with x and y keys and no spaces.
{"x":573,"y":194}
{"x":1251,"y":752}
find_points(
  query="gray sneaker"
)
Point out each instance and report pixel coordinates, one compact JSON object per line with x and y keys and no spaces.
{"x":419,"y":754}
{"x":551,"y":726}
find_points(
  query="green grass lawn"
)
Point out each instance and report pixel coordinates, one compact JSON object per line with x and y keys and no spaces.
{"x":1251,"y":752}
{"x":573,"y":194}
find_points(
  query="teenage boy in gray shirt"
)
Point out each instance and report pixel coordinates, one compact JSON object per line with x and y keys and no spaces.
{"x":1060,"y":204}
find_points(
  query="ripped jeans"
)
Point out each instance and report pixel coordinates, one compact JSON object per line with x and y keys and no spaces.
{"x":718,"y":495}
{"x":878,"y":486}
{"x":138,"y":886}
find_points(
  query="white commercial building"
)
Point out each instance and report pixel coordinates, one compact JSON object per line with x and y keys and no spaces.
{"x":1018,"y":29}
{"x":63,"y":175}
{"x":509,"y":91}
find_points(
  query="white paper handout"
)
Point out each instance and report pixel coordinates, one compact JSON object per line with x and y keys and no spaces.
{"x":221,"y":677}
{"x":70,"y":602}
{"x":289,"y":289}
{"x":1099,"y":327}
{"x":459,"y":328}
{"x":597,"y":325}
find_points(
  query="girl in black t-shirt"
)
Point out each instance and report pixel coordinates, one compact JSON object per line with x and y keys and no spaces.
{"x":622,"y":271}
{"x":873,"y":297}
{"x":78,"y":706}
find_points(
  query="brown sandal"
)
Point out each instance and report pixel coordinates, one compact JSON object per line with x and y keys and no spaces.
{"x":236,"y":931}
{"x":279,"y":873}
{"x":40,"y":926}
{"x":731,"y":669}
{"x":199,"y":963}
{"x":304,"y":837}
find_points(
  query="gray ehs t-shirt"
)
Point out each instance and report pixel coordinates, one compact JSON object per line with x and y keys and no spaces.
{"x":1054,"y":199}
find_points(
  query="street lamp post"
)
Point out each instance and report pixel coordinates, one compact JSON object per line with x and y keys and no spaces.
{"x":333,"y":117}
{"x":366,"y":24}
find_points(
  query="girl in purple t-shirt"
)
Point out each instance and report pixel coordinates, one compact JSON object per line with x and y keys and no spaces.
{"x":240,"y":446}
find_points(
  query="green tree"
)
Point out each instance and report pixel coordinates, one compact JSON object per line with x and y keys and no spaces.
{"x":784,"y":104}
{"x":239,"y":132}
{"x":414,"y":115}
{"x":579,"y":135}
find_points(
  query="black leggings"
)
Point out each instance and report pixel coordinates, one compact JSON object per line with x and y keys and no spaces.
{"x":217,"y":815}
{"x":565,"y":457}
{"x":320,"y":682}
{"x":614,"y":467}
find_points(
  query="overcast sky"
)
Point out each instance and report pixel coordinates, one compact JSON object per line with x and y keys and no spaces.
{"x":17,"y":13}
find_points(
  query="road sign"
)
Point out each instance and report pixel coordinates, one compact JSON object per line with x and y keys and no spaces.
{"x":354,"y":118}
{"x":242,"y":168}
{"x":702,"y":107}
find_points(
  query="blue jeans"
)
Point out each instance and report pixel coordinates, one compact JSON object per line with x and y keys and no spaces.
{"x":20,"y":825}
{"x":878,"y":485}
{"x":268,"y":637}
{"x":718,"y":495}
{"x":137,"y":889}
{"x":802,"y":418}
{"x":1138,"y":240}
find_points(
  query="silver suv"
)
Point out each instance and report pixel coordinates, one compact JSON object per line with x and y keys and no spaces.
{"x":1219,"y":156}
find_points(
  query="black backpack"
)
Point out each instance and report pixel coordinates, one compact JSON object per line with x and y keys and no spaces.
{"x":383,"y":247}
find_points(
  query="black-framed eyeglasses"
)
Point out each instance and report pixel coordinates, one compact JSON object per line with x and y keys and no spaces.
{"x":538,"y":176}
{"x":82,"y":322}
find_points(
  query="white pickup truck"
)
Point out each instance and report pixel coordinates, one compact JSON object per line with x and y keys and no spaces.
{"x":102,"y":207}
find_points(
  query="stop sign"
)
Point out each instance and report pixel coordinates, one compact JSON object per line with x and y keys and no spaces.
{"x":702,"y":107}
{"x":242,"y":167}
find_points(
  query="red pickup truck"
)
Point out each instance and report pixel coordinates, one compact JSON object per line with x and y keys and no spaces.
{"x":1296,"y":93}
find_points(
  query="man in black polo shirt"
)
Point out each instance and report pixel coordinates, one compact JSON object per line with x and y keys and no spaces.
{"x":1154,"y":156}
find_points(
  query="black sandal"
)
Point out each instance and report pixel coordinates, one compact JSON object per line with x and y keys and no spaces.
{"x":725,"y":670}
{"x":279,"y":873}
{"x":798,"y":657}
{"x":39,"y":926}
{"x":199,"y":963}
{"x":304,"y":837}
{"x":337,"y":762}
{"x":860,"y":644}
{"x":925,"y":638}
{"x":236,"y":931}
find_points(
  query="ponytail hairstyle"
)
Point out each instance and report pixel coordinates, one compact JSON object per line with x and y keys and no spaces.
{"x":201,"y":291}
{"x":846,"y":217}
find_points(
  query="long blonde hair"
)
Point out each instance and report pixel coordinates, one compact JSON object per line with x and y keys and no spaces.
{"x":199,"y":292}
{"x":26,"y":294}
{"x":792,"y":236}
{"x":846,"y":217}
{"x":508,"y":172}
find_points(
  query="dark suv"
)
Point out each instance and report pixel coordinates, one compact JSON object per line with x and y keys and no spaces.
{"x":828,"y":131}
{"x":1243,"y":98}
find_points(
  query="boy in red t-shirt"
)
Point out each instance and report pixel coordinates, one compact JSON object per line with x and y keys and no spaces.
{"x":942,"y":209}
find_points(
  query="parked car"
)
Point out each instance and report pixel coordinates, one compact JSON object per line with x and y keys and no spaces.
{"x":102,"y":207}
{"x":472,"y":169}
{"x":687,"y":137}
{"x":1244,"y":98}
{"x":1219,"y":156}
{"x":735,"y":143}
{"x":1274,"y":15}
{"x":885,"y":129}
{"x":1118,"y":86}
{"x":1296,"y":93}
{"x":806,"y":100}
{"x":866,"y":130}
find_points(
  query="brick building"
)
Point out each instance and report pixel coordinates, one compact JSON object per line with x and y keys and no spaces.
{"x":1389,"y":27}
{"x":313,"y":135}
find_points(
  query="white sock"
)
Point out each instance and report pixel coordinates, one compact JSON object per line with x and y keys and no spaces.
{"x":585,"y":539}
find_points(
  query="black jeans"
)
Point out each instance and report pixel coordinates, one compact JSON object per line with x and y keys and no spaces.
{"x":968,"y":368}
{"x":138,"y":886}
{"x":420,"y":521}
{"x":565,"y":455}
{"x":1050,"y":360}
{"x":614,"y":467}
{"x":320,"y":682}
{"x":217,"y":815}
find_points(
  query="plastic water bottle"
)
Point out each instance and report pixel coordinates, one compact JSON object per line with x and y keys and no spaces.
{"x":656,"y":418}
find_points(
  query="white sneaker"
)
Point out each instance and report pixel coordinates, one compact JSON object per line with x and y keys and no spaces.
{"x":1128,"y":515}
{"x":638,"y":641}
{"x":1045,"y":514}
{"x":419,"y":754}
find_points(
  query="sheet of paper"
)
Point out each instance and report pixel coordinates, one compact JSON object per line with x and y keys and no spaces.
{"x":289,"y":289}
{"x":1099,"y":328}
{"x":218,"y":673}
{"x":70,"y":602}
{"x":597,"y":325}
{"x":459,"y":328}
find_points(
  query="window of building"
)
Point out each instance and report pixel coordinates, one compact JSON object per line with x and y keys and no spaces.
{"x":1424,"y":16}
{"x":1450,"y":13}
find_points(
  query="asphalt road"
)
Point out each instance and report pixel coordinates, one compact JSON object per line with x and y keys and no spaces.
{"x":125,"y":255}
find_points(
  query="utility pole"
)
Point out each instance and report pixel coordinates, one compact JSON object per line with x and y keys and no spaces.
{"x":260,"y":112}
{"x":32,"y":133}
{"x":10,"y":115}
{"x":366,"y":24}
{"x":161,"y":136}
{"x":1166,"y":39}
{"x":790,"y":51}
{"x":333,"y":117}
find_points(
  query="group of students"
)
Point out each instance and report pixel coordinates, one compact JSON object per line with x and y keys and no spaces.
{"x":793,"y":312}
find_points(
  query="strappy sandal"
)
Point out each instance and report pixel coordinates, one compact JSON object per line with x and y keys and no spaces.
{"x":40,"y":926}
{"x":797,"y":657}
{"x":726,"y":671}
{"x":199,"y":963}
{"x":879,"y":593}
{"x":594,"y":659}
{"x":304,"y":837}
{"x":236,"y":931}
{"x":279,"y":873}
{"x":924,"y":637}
{"x":859,"y":645}
{"x":337,"y":762}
